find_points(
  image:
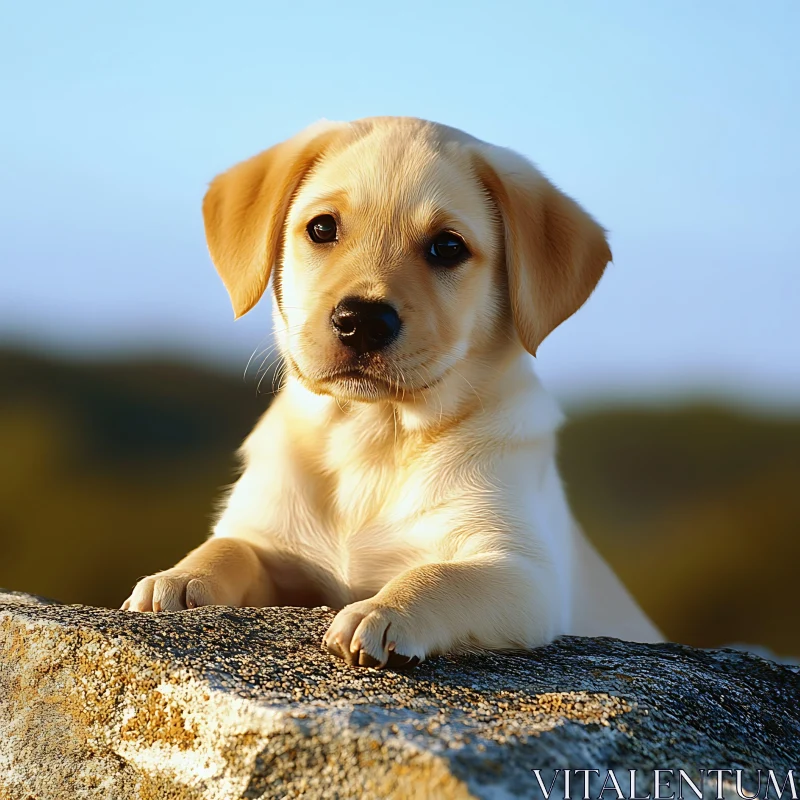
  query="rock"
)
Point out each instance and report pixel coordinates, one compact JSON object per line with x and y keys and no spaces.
{"x":9,"y":596}
{"x":217,"y":703}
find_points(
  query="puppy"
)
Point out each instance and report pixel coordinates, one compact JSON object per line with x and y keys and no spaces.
{"x":406,"y":472}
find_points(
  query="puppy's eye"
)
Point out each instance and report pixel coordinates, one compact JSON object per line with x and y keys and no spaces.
{"x":322,"y":229}
{"x":447,"y":250}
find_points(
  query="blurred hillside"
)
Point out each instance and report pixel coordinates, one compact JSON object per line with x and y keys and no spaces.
{"x":110,"y":471}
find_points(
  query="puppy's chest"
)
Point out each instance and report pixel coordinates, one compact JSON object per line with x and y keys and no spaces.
{"x":374,"y":477}
{"x":372,"y":502}
{"x":375,"y":502}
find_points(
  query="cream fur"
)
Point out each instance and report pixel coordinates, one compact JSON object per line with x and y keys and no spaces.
{"x":421,"y":497}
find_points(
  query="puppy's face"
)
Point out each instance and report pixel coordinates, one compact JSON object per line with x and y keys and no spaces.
{"x":391,"y":267}
{"x":400,"y":248}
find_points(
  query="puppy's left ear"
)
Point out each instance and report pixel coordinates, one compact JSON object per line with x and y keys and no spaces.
{"x":555,"y":252}
{"x":244,"y":211}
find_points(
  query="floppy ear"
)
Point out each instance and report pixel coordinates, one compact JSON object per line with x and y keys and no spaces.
{"x":244,"y":211}
{"x":555,"y":252}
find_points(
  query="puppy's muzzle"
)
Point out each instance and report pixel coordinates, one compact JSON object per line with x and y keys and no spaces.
{"x":365,"y":326}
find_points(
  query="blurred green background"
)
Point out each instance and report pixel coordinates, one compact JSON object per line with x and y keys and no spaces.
{"x":110,"y":470}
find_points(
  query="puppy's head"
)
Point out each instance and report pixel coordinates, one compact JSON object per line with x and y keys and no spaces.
{"x":398,"y":249}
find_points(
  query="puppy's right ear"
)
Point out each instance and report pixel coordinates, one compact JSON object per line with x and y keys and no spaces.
{"x":244,"y":211}
{"x":555,"y":251}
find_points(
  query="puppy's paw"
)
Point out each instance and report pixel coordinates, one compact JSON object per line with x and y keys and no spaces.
{"x":368,"y":634}
{"x":172,"y":591}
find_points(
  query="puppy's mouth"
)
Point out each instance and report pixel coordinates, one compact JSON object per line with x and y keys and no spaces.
{"x":362,"y":382}
{"x":361,"y":378}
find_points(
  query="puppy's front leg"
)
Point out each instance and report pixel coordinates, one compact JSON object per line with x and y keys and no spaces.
{"x":222,"y":571}
{"x":494,"y":602}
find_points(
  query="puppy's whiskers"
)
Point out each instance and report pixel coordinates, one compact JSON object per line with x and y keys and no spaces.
{"x":253,"y":355}
{"x":264,"y":368}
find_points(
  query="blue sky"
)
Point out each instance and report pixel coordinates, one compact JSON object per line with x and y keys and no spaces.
{"x":676,"y":124}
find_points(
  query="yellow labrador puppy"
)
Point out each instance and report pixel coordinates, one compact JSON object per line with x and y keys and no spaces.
{"x":406,"y":472}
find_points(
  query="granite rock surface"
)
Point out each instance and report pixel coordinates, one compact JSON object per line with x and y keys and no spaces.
{"x":223,"y":704}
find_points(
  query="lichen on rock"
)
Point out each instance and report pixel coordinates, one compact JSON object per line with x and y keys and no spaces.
{"x":219,"y":703}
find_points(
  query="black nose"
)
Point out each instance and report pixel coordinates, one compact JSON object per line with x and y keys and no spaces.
{"x":365,"y":325}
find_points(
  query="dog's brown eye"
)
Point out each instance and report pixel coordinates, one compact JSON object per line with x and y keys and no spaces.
{"x":322,"y":230}
{"x":447,"y":250}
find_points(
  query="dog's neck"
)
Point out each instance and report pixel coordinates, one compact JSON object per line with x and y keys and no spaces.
{"x":473,"y":387}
